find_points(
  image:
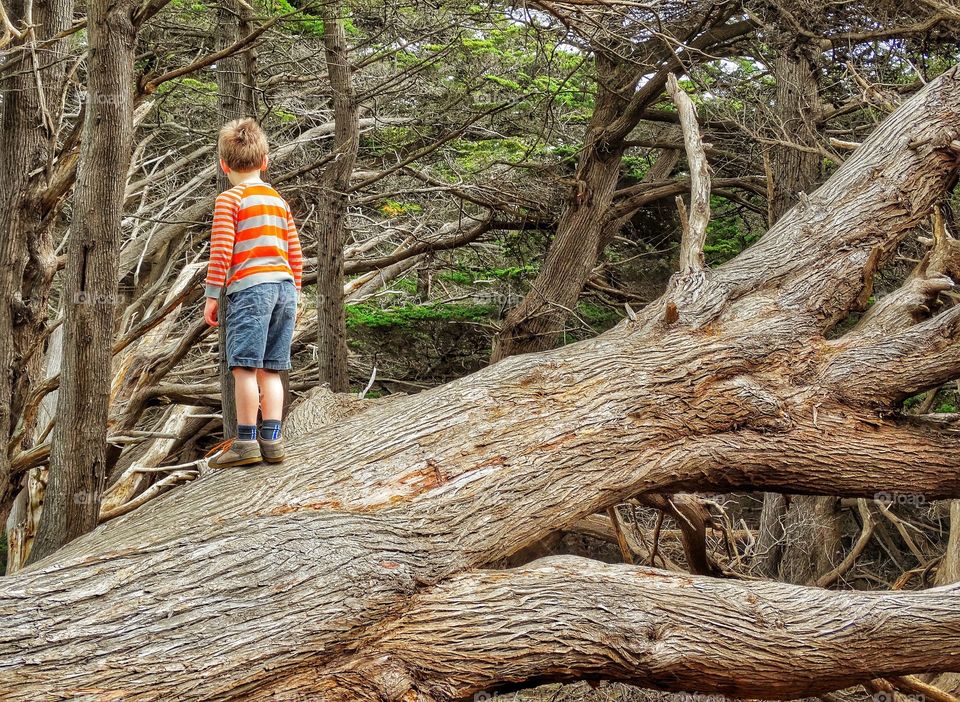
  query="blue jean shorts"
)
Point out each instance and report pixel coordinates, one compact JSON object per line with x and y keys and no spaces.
{"x":260,"y":322}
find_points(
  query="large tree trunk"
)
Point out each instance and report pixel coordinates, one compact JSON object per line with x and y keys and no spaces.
{"x":331,"y":223}
{"x":78,"y":455}
{"x":313,"y":580}
{"x":28,"y":131}
{"x":538,"y":320}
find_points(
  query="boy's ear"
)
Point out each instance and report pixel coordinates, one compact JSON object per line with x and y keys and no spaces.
{"x":224,"y":167}
{"x":266,"y":162}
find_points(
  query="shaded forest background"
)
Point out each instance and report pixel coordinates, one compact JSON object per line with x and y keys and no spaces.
{"x":450,"y":198}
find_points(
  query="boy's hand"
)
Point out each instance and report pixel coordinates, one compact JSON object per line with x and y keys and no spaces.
{"x":210,"y":311}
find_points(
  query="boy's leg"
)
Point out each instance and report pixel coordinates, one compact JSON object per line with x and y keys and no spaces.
{"x":246,"y":449}
{"x":276,"y":358}
{"x":245,"y":384}
{"x":271,"y":393}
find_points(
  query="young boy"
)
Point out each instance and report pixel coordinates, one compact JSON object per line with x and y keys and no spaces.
{"x":254,"y":252}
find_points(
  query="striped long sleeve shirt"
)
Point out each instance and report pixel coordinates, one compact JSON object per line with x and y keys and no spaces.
{"x":254,"y":240}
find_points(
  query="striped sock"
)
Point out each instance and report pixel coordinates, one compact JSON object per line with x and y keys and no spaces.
{"x":246,"y":432}
{"x":270,"y":429}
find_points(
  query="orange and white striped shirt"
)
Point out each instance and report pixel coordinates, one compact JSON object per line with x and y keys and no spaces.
{"x":254,"y":240}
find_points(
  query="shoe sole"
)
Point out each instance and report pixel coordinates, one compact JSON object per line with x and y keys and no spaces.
{"x":274,"y":459}
{"x":240,"y":462}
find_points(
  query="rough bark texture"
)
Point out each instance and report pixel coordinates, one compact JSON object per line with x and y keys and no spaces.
{"x":259,"y":583}
{"x":639,"y":625}
{"x":795,"y":167}
{"x":331,"y":224}
{"x":78,"y":457}
{"x":31,"y":110}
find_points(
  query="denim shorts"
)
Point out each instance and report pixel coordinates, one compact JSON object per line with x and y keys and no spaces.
{"x":260,"y":323}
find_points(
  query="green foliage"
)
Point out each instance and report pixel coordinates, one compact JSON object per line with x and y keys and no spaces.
{"x":474,"y":155}
{"x":598,"y":316}
{"x":726,"y":235}
{"x":393,"y":208}
{"x":407,"y":285}
{"x":371,"y":316}
{"x":306,"y":22}
{"x":635,"y":166}
{"x":189,"y":6}
{"x":197,"y":92}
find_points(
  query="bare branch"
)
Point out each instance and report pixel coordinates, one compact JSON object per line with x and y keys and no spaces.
{"x":694,"y":227}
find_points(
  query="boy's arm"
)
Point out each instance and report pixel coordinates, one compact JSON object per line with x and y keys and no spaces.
{"x":221,"y":244}
{"x":294,"y":252}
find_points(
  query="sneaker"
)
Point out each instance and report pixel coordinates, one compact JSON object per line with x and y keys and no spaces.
{"x":272,"y":449}
{"x":234,"y":452}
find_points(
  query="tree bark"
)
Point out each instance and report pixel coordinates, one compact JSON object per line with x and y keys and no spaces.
{"x":797,"y":110}
{"x":28,"y":132}
{"x":331,"y":223}
{"x":580,"y":619}
{"x":78,"y":455}
{"x":253,"y":584}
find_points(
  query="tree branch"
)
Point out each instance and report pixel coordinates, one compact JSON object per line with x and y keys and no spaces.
{"x":695,"y":227}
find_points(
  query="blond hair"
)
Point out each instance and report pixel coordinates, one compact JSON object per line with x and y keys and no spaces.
{"x":242,"y":145}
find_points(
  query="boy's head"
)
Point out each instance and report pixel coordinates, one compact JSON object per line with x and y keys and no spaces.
{"x":242,"y":146}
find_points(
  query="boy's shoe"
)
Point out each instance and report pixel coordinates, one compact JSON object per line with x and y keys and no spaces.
{"x":271,"y":449}
{"x":234,"y":452}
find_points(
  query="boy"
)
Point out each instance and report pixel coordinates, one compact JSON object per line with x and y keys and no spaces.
{"x":254,"y":252}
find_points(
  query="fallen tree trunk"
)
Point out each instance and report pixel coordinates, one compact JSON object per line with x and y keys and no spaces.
{"x":247,"y":584}
{"x":567,"y":618}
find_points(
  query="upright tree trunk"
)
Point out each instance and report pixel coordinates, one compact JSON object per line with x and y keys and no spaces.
{"x":536,"y":323}
{"x":796,"y":169}
{"x":78,"y":453}
{"x":28,"y":129}
{"x":331,"y":224}
{"x":235,"y":75}
{"x":949,"y":572}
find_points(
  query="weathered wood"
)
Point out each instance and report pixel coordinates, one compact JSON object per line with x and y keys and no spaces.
{"x":32,"y":109}
{"x":567,"y":618}
{"x":78,"y":459}
{"x":332,"y":219}
{"x":695,"y":225}
{"x":246,"y":584}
